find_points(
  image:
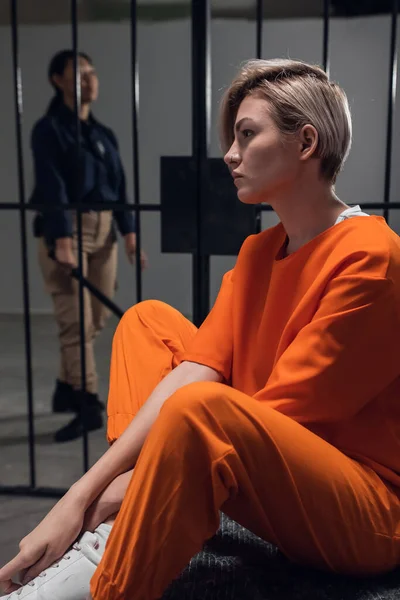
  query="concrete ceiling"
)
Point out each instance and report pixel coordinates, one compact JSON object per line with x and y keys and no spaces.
{"x":58,"y":11}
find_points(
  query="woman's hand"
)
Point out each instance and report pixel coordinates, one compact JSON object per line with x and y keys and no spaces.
{"x":47,"y":543}
{"x":108,"y":503}
{"x":130,"y":249}
{"x":64,"y":254}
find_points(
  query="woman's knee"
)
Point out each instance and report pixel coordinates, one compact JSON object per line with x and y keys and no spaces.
{"x":188,"y":417}
{"x":145,"y":311}
{"x":194,"y":399}
{"x":152,"y":314}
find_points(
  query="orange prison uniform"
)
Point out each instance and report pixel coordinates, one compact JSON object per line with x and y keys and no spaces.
{"x":301,"y":445}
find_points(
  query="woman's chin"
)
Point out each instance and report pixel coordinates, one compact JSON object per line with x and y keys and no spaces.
{"x":243,"y":196}
{"x":248,"y":197}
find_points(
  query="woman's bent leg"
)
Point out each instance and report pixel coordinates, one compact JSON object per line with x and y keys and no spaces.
{"x":148,"y":343}
{"x":215,"y":448}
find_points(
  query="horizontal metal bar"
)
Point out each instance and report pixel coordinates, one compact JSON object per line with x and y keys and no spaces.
{"x":34,"y":492}
{"x":83,"y":206}
{"x":366,"y":205}
{"x":152,"y":207}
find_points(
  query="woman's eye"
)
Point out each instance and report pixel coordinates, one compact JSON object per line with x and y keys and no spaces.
{"x":247,"y":133}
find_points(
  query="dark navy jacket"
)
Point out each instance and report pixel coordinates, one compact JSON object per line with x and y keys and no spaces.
{"x":60,"y":178}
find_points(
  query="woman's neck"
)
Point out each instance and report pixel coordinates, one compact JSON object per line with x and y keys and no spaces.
{"x":306,"y":212}
{"x":84,"y":109}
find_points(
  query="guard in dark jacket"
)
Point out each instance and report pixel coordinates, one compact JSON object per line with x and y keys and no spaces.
{"x":63,"y":177}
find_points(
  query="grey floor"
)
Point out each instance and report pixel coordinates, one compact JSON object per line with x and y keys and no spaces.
{"x":57,"y":465}
{"x":235,"y":564}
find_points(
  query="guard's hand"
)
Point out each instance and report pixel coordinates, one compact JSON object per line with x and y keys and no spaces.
{"x":64,"y":254}
{"x":130,"y":249}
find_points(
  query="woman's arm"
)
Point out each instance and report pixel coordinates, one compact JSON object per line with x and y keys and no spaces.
{"x":50,"y":186}
{"x":122,"y":455}
{"x":61,"y":527}
{"x":108,"y":503}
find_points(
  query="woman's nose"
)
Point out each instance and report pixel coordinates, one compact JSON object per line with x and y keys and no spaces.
{"x":231,"y":157}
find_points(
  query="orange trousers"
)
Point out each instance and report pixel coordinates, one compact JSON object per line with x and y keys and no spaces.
{"x":213,"y":448}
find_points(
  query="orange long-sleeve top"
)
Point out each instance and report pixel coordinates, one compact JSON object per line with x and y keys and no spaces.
{"x":316,"y":335}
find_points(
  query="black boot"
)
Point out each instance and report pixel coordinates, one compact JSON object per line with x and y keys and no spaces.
{"x":89,"y":409}
{"x":63,"y":398}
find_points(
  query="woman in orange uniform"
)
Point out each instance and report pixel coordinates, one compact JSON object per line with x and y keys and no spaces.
{"x":282,"y":410}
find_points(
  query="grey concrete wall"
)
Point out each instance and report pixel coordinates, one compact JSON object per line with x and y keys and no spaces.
{"x":359,"y":61}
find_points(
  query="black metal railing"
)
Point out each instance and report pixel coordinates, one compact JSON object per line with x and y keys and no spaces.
{"x":77,"y":203}
{"x":391,"y":104}
{"x":201,"y":76}
{"x":23,"y":238}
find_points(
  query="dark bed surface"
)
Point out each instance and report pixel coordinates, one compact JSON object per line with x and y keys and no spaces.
{"x":236,"y":565}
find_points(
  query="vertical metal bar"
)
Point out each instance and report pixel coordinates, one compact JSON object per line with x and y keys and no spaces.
{"x":259,"y":27}
{"x":82,"y":336}
{"x":24,"y":244}
{"x":259,"y":30}
{"x":201,"y":120}
{"x":391,"y":104}
{"x":135,"y":145}
{"x":325,"y":42}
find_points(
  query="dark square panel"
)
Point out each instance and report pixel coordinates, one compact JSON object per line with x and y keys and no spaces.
{"x":225,"y":221}
{"x":178,"y":210}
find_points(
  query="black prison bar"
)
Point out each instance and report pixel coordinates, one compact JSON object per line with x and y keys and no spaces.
{"x":24,"y":244}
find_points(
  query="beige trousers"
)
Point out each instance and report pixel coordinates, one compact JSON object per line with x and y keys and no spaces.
{"x":100,"y":268}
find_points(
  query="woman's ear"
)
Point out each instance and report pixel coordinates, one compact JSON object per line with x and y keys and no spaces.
{"x":308,"y":138}
{"x":57,"y":80}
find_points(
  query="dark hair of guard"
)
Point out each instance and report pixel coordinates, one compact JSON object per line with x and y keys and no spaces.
{"x":57,"y":67}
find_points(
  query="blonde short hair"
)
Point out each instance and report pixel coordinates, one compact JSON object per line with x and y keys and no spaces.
{"x":298,"y":94}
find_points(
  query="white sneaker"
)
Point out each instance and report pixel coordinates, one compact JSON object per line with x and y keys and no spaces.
{"x":68,"y":578}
